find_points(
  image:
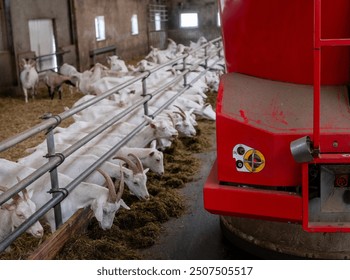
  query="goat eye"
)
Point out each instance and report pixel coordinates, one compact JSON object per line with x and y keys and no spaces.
{"x":158,"y":160}
{"x":21,"y":216}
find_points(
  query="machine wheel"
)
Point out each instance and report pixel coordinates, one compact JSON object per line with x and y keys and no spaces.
{"x":277,"y":240}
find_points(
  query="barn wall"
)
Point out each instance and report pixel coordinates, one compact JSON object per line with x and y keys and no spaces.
{"x":17,"y":43}
{"x":7,"y":62}
{"x":74,"y":23}
{"x":118,"y":28}
{"x":207,"y":20}
{"x":39,"y":9}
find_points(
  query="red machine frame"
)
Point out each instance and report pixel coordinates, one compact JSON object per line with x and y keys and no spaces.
{"x":257,"y":196}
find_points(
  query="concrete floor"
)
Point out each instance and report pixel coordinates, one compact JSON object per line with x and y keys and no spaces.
{"x":196,"y":235}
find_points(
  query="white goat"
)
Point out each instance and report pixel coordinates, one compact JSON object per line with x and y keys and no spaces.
{"x":15,"y":212}
{"x":135,"y":177}
{"x":158,"y":128}
{"x":179,"y":120}
{"x":150,"y":157}
{"x":153,"y":131}
{"x":201,"y":41}
{"x":206,"y":111}
{"x":158,"y":56}
{"x":117,"y":64}
{"x":70,"y":71}
{"x":121,"y":98}
{"x":142,"y":66}
{"x":89,"y":77}
{"x":104,"y":202}
{"x":29,"y":77}
{"x":186,"y":104}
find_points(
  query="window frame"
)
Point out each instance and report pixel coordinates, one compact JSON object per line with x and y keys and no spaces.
{"x":100,"y":28}
{"x":195,"y":25}
{"x":157,"y":21}
{"x":134,"y":25}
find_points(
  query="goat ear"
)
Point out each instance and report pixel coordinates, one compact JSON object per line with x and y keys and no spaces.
{"x":145,"y":170}
{"x":33,"y":63}
{"x":126,"y":175}
{"x":8,"y":207}
{"x":22,"y":63}
{"x":97,"y":209}
{"x":25,"y":194}
{"x":147,"y":118}
{"x":150,"y":121}
{"x":30,"y":193}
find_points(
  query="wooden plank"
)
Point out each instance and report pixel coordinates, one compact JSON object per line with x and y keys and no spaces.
{"x":76,"y":224}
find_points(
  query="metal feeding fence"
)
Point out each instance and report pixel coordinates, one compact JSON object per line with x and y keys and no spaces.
{"x":51,"y":121}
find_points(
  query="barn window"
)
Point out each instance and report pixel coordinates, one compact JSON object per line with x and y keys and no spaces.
{"x":134,"y":25}
{"x":157,"y":22}
{"x":100,"y":28}
{"x":157,"y":16}
{"x":189,"y":20}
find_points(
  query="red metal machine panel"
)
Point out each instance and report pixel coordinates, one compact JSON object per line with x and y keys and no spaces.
{"x":268,"y":115}
{"x":267,"y":101}
{"x":250,"y":202}
{"x":273,"y":39}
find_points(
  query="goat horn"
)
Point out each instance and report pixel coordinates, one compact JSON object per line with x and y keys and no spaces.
{"x":24,"y":191}
{"x":112,"y":197}
{"x":15,"y":197}
{"x":131,"y":165}
{"x":138,"y":162}
{"x":181,"y":114}
{"x":180,"y":109}
{"x":25,"y":194}
{"x":121,"y":184}
{"x":172,"y":119}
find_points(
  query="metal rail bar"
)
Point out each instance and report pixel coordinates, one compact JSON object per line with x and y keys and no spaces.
{"x":58,"y":160}
{"x":51,"y":54}
{"x":54,"y":162}
{"x":8,"y":143}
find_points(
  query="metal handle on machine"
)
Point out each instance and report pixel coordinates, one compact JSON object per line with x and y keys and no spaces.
{"x":302,"y":149}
